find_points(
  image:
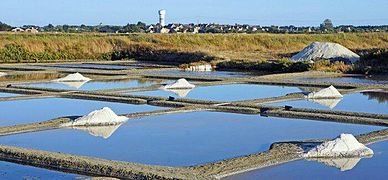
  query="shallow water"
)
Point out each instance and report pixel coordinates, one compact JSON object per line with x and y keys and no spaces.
{"x":229,"y":92}
{"x":91,"y":66}
{"x":358,"y":102}
{"x":182,"y":139}
{"x":8,"y":94}
{"x":35,"y":110}
{"x":96,"y":85}
{"x":17,"y":171}
{"x":366,"y":168}
{"x":209,"y":73}
{"x":348,"y":79}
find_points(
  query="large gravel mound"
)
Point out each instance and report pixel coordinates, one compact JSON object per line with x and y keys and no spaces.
{"x":323,"y":50}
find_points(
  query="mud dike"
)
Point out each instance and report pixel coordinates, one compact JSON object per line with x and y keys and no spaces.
{"x":280,"y":152}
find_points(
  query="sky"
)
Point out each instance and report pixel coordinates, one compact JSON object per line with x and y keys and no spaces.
{"x":258,"y":12}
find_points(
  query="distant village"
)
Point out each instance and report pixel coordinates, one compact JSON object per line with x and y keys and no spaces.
{"x":161,"y":27}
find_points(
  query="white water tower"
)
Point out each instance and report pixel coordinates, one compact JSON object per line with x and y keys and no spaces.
{"x":162,"y":17}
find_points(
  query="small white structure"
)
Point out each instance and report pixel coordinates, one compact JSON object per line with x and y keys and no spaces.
{"x":102,"y":117}
{"x":17,"y":30}
{"x":32,"y":30}
{"x":179,"y":84}
{"x":324,"y":50}
{"x":162,"y":17}
{"x":346,"y":145}
{"x":76,"y":77}
{"x":327,"y":93}
{"x":3,"y":74}
{"x":199,"y":68}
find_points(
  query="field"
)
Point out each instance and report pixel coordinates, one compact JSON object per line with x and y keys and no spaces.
{"x":171,"y":47}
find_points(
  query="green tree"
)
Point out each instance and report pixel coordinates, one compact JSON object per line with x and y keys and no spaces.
{"x":327,"y":25}
{"x":4,"y":27}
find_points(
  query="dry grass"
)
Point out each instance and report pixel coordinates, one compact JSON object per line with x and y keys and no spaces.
{"x":224,"y":46}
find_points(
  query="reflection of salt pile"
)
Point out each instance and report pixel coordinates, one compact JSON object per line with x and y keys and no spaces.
{"x":323,"y":50}
{"x":343,"y":164}
{"x":99,"y":131}
{"x":179,"y":84}
{"x":76,"y":77}
{"x":104,"y":116}
{"x":73,"y":84}
{"x":3,"y":74}
{"x":330,"y":103}
{"x":330,"y":92}
{"x":346,"y":145}
{"x":179,"y":92}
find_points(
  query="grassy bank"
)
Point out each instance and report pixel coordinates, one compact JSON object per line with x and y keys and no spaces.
{"x":229,"y":46}
{"x":247,"y":49}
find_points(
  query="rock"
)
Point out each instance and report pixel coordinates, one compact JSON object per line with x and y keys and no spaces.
{"x":73,"y":78}
{"x":179,"y":84}
{"x":330,"y":92}
{"x":346,"y":145}
{"x":102,"y":117}
{"x":324,"y":50}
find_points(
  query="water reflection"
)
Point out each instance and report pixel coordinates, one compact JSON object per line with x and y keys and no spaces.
{"x":99,"y":131}
{"x":343,"y":164}
{"x":179,"y":92}
{"x":330,"y":103}
{"x":381,"y":97}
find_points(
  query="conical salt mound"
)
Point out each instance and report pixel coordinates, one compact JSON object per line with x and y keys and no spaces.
{"x":180,"y":84}
{"x":330,"y":92}
{"x":73,"y":77}
{"x":325,"y":50}
{"x":346,"y":145}
{"x":104,"y":116}
{"x":3,"y":74}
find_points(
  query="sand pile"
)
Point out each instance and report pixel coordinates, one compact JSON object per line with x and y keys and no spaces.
{"x":73,"y":78}
{"x":346,"y":145}
{"x":179,"y":84}
{"x":102,"y":117}
{"x":324,"y":50}
{"x":3,"y":74}
{"x":327,"y":93}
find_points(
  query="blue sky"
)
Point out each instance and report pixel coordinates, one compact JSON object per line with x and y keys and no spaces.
{"x":262,"y":12}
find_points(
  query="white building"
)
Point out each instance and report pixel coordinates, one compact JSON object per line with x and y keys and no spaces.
{"x":162,"y":17}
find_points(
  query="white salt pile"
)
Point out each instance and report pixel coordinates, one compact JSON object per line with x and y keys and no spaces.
{"x":3,"y":74}
{"x":104,"y":116}
{"x":330,"y":92}
{"x":200,"y":68}
{"x":325,"y":50}
{"x":179,"y":84}
{"x":73,"y":77}
{"x":346,"y":145}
